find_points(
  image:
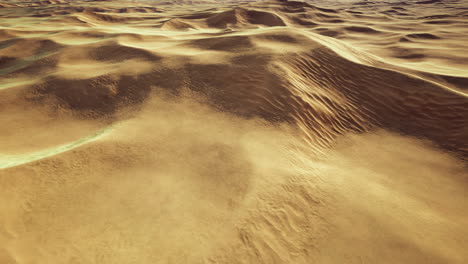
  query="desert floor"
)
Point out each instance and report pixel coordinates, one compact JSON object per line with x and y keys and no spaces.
{"x":155,"y":132}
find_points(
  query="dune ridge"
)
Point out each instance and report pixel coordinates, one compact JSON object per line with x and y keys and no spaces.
{"x":233,"y":132}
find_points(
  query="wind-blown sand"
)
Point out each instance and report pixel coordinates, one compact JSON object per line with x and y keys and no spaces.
{"x":233,"y":132}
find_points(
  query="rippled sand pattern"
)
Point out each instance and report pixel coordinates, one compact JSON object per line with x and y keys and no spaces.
{"x":233,"y":132}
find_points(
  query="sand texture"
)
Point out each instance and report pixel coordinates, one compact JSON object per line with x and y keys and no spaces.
{"x":153,"y":132}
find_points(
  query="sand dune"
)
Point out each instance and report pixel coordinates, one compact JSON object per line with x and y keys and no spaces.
{"x":233,"y":132}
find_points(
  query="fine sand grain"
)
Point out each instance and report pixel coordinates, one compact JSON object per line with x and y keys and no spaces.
{"x":288,"y":132}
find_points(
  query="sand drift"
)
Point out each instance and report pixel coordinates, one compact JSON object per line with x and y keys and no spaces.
{"x":263,"y":132}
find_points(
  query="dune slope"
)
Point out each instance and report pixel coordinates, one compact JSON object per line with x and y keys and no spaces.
{"x":257,"y":132}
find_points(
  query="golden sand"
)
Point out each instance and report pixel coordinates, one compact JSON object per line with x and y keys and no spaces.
{"x":154,"y":132}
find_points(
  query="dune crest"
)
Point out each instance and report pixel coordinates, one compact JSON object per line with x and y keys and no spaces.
{"x":233,"y":132}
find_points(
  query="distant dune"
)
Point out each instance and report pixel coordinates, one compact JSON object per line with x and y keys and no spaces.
{"x":233,"y":132}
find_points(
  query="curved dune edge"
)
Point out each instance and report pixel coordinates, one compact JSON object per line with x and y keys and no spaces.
{"x":362,"y":57}
{"x":275,"y":132}
{"x":320,"y":92}
{"x":8,"y":161}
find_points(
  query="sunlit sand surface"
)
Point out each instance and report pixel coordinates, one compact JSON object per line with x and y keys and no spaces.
{"x":233,"y":132}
